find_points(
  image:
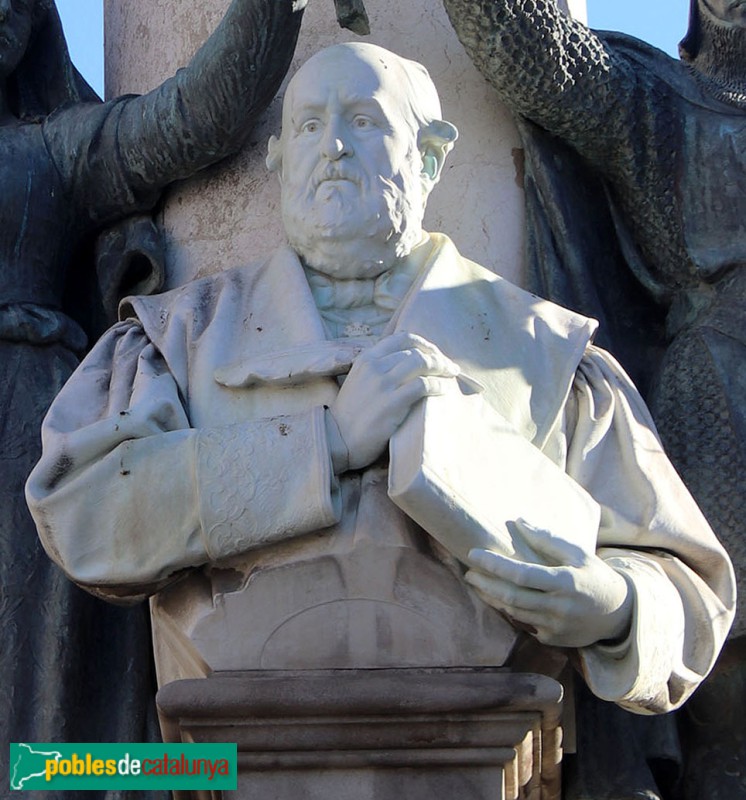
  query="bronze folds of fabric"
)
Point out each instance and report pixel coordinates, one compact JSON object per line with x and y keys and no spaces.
{"x":351,"y":14}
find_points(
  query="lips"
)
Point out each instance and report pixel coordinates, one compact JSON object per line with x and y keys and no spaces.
{"x":333,"y":174}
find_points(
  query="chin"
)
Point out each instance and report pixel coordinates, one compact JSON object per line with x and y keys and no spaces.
{"x":339,"y":217}
{"x":346,"y":233}
{"x":344,"y":224}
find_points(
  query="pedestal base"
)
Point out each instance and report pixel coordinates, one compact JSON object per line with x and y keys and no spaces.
{"x":376,"y":734}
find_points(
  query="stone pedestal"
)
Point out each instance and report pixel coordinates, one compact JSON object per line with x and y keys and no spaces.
{"x":376,"y":734}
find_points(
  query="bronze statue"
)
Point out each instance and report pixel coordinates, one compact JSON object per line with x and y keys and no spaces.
{"x":72,"y":668}
{"x":351,"y":14}
{"x":636,"y":198}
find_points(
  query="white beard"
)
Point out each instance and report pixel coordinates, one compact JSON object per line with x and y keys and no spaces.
{"x":350,"y":229}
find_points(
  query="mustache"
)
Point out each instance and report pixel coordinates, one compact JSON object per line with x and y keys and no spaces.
{"x":336,"y":172}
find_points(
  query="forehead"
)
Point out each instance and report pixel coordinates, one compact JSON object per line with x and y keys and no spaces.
{"x":339,"y":76}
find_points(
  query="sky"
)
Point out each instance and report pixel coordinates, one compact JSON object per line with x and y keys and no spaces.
{"x":660,"y":22}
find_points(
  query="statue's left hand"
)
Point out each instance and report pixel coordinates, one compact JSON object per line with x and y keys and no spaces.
{"x":577,"y":603}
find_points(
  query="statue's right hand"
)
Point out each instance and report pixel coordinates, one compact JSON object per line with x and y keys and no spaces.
{"x":381,"y":388}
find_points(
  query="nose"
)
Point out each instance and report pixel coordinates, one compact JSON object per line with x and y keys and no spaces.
{"x":335,"y":143}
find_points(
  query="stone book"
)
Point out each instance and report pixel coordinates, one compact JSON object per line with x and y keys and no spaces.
{"x":462,"y":472}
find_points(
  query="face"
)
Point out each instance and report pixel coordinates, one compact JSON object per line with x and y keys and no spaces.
{"x":15,"y":32}
{"x":350,"y":163}
{"x":727,"y":10}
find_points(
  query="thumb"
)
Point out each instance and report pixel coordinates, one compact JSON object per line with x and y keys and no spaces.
{"x":558,"y":551}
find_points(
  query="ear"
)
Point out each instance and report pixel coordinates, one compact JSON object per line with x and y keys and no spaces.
{"x":274,"y":156}
{"x":435,"y":142}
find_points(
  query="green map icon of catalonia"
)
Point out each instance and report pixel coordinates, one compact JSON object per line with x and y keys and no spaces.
{"x":29,"y":764}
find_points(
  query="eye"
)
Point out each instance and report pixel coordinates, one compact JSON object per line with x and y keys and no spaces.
{"x":310,"y":126}
{"x":362,"y":122}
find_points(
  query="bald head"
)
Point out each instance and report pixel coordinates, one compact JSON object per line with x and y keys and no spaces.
{"x":402,"y":85}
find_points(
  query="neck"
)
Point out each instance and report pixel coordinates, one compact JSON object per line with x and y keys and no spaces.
{"x":363,"y":307}
{"x":346,"y":260}
{"x":412,"y":262}
{"x":354,"y":259}
{"x":721,"y":59}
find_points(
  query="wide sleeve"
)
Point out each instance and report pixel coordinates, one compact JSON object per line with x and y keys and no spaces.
{"x":556,"y":72}
{"x":653,"y":533}
{"x":115,"y":158}
{"x":610,"y":101}
{"x":127,"y":494}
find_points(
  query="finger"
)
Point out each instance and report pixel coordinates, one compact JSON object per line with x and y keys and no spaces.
{"x":415,"y":389}
{"x":553,"y":547}
{"x":533,"y":622}
{"x":407,"y":364}
{"x":508,"y":596}
{"x":421,"y":343}
{"x":398,"y":342}
{"x":530,"y":576}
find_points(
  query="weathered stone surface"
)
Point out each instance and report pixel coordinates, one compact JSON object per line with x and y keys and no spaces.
{"x":376,"y":735}
{"x":224,"y":449}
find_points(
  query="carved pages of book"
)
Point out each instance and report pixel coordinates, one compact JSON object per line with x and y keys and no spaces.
{"x":462,"y":472}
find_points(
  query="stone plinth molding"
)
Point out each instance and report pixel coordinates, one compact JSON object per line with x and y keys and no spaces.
{"x":376,"y":734}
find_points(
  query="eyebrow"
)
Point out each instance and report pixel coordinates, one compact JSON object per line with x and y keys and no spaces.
{"x":359,"y":100}
{"x":363,"y":101}
{"x":313,"y":108}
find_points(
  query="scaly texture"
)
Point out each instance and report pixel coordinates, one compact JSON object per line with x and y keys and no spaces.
{"x":562,"y":76}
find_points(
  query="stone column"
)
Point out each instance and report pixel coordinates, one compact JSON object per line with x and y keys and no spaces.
{"x":230,"y":214}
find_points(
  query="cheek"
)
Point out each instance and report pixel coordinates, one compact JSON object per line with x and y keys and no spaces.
{"x":397,"y":153}
{"x":406,"y":157}
{"x":382,"y":158}
{"x":296,"y":168}
{"x":722,"y":10}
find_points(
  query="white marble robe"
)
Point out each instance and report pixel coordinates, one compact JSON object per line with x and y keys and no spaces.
{"x":152,"y":467}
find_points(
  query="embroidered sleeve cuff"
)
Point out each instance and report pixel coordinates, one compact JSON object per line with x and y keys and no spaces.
{"x":264,"y":481}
